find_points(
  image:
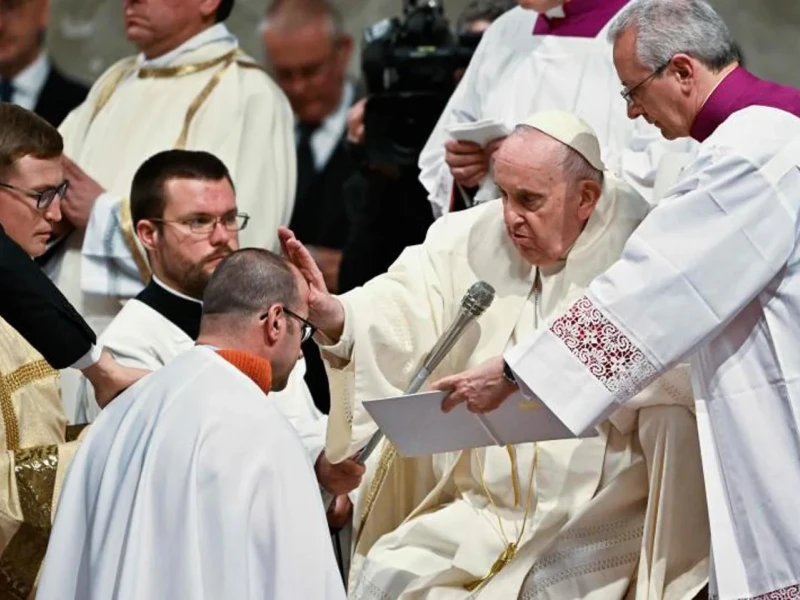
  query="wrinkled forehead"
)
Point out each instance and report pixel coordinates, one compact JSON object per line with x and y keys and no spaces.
{"x":530,"y":147}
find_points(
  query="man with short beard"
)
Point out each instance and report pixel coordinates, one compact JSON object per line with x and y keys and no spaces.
{"x":183,"y":206}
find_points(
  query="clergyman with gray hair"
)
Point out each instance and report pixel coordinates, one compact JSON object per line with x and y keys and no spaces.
{"x":603,"y":517}
{"x":712,"y":274}
{"x":194,"y":485}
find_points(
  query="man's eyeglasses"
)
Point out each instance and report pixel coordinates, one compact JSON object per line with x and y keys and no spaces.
{"x":206,"y":224}
{"x":628,"y":94}
{"x":307,"y":328}
{"x":45,"y":197}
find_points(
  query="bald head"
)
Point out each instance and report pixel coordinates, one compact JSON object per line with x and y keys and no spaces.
{"x":247,"y":282}
{"x":257,"y":302}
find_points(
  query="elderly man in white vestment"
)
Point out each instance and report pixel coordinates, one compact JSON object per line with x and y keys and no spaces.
{"x":192,"y":484}
{"x":189,"y":87}
{"x":184,"y":211}
{"x":542,"y":55}
{"x":566,"y":519}
{"x":711,"y":274}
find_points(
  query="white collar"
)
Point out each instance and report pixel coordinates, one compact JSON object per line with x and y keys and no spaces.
{"x":163,"y":285}
{"x":557,"y":12}
{"x":215,"y":33}
{"x":30,"y":80}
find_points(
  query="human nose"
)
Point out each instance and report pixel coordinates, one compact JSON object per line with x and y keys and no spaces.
{"x":53,"y":211}
{"x":220,"y":234}
{"x":634,"y":110}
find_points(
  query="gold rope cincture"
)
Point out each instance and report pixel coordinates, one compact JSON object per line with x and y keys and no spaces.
{"x":508,"y":553}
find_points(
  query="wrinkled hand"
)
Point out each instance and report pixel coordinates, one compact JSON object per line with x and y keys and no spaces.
{"x":483,"y":388}
{"x":81,"y":195}
{"x":341,"y":478}
{"x":329,"y":261}
{"x":355,"y":122}
{"x":340,"y":512}
{"x":325,"y":310}
{"x":109,"y":378}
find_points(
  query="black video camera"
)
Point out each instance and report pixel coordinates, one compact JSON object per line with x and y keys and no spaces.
{"x":410,"y":69}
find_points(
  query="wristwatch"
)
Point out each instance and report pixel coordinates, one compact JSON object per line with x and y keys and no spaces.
{"x":509,"y":374}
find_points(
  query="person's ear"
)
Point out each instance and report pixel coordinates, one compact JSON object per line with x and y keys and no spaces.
{"x":148,"y":233}
{"x":590,"y":192}
{"x":274,"y":324}
{"x":683,"y":69}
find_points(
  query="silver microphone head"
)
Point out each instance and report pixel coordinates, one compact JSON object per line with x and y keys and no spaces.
{"x":478,"y":298}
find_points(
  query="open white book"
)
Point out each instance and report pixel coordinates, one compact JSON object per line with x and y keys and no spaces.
{"x":416,"y":425}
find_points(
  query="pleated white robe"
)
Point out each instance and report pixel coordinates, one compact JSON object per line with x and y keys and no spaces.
{"x":191,"y":485}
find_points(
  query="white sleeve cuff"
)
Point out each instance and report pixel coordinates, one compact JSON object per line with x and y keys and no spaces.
{"x":343,"y":349}
{"x":88,"y":359}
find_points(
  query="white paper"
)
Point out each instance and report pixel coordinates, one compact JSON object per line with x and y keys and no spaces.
{"x":480,"y":132}
{"x":416,"y":425}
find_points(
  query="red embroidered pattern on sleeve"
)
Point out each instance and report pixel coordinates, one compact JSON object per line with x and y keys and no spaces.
{"x":607,"y":352}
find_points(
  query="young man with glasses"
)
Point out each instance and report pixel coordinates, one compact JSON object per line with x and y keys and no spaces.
{"x":183,"y":206}
{"x":38,"y":445}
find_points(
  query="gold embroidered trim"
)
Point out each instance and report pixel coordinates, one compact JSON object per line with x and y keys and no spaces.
{"x":9,"y":384}
{"x":111,"y":86}
{"x":388,"y":455}
{"x":182,"y":70}
{"x":201,"y":98}
{"x":246,"y":64}
{"x":130,"y":241}
{"x":21,"y":561}
{"x":35,"y":472}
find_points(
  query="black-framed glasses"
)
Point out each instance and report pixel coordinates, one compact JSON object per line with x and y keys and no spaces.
{"x":627,"y":94}
{"x":307,"y":328}
{"x":206,"y":224}
{"x":45,"y":197}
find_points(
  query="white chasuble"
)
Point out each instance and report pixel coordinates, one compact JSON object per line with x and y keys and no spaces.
{"x":517,"y":71}
{"x":192,"y":485}
{"x":712,"y":274}
{"x":574,"y":510}
{"x":205,"y":95}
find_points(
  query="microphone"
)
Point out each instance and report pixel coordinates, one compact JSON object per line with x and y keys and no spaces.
{"x":474,"y":303}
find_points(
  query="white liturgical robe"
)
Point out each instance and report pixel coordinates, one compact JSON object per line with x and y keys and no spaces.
{"x":713,"y":273}
{"x":160,"y":324}
{"x":527,"y":63}
{"x":204,"y":95}
{"x":192,"y":485}
{"x":591,"y":518}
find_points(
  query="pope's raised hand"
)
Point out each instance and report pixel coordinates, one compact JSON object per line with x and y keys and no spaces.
{"x":324,"y":310}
